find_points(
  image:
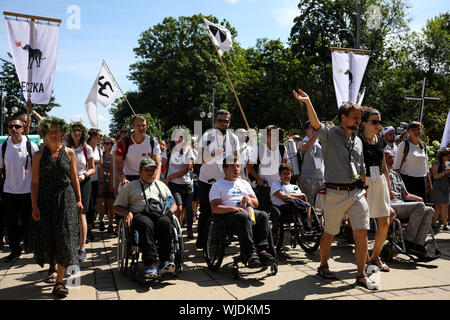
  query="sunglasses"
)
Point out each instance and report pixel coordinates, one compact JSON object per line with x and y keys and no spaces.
{"x":107,"y":143}
{"x":223,"y":121}
{"x":15,"y":126}
{"x":375,"y":122}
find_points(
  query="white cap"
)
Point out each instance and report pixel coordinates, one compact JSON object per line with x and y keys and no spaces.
{"x":386,"y":130}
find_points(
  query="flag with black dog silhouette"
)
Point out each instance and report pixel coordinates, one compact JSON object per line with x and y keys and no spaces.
{"x":103,"y":91}
{"x":34,"y":50}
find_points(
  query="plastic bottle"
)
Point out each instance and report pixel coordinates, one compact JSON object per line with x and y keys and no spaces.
{"x":251,"y":213}
{"x":168,"y":204}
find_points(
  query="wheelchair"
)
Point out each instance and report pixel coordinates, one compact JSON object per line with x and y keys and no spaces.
{"x":128,"y":252}
{"x":218,"y":238}
{"x":396,"y":242}
{"x":300,"y":234}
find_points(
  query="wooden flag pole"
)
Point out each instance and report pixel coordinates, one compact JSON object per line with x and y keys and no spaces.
{"x":112,"y":76}
{"x":228,"y":77}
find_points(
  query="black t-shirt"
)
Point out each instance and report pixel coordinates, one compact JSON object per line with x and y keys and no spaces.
{"x":373,"y":153}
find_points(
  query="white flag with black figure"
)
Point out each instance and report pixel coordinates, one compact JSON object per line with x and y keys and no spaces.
{"x":220,"y":36}
{"x":348,"y":72}
{"x":34,"y":49}
{"x":103,"y":91}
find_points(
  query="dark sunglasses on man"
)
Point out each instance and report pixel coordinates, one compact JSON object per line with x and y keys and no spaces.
{"x":15,"y":126}
{"x":223,"y":121}
{"x":375,"y":122}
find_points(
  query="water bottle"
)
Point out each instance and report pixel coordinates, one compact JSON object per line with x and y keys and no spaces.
{"x":251,"y":213}
{"x":168,"y":204}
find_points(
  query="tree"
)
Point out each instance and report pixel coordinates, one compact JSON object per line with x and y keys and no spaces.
{"x":13,"y":88}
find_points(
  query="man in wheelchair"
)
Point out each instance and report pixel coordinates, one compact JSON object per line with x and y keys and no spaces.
{"x":411,"y":207}
{"x":232,"y":198}
{"x":289,"y":199}
{"x":141,"y":203}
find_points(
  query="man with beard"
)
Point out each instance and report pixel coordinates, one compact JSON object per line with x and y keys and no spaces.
{"x":215,"y":145}
{"x":345,"y":185}
{"x":389,"y":137}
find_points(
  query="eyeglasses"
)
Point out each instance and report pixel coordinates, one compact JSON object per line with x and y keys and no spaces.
{"x":99,"y":135}
{"x":15,"y":126}
{"x":223,"y":121}
{"x":375,"y":122}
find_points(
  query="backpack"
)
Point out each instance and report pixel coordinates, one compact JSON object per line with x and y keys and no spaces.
{"x":30,"y":154}
{"x":282,"y":151}
{"x":127,"y":145}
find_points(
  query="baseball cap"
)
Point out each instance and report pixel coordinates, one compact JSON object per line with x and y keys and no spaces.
{"x":147,"y":162}
{"x":386,"y":130}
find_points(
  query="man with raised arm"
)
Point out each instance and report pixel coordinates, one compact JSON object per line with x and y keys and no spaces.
{"x":345,"y":184}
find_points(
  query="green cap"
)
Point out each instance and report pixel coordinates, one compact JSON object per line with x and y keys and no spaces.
{"x":147,"y":162}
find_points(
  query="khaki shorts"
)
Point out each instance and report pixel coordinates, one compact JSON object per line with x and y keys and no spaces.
{"x":338,"y":203}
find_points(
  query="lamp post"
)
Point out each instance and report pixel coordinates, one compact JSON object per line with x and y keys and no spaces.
{"x":4,"y":110}
{"x":210,"y":113}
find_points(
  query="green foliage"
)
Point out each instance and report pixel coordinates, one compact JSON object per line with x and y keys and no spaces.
{"x":46,"y":123}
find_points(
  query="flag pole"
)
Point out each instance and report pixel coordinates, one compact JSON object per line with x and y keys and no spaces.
{"x":125,"y":96}
{"x":228,"y":77}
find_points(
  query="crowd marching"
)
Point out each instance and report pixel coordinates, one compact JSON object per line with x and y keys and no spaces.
{"x":55,"y":194}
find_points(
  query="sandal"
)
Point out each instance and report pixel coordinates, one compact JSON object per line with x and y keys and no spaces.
{"x":369,"y":284}
{"x":383,"y":268}
{"x":51,"y":278}
{"x":253,"y":261}
{"x":60,"y":290}
{"x":326,"y":274}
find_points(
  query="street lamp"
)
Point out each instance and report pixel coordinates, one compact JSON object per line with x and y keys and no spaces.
{"x":210,"y":113}
{"x":4,"y":110}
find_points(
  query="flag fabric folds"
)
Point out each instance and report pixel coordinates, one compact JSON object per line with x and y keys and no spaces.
{"x":348,"y":72}
{"x":103,"y":91}
{"x":220,"y":36}
{"x":34,"y":50}
{"x":446,"y":135}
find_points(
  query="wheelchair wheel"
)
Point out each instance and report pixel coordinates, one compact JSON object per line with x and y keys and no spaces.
{"x":277,"y":228}
{"x":122,"y":249}
{"x":214,"y":250}
{"x":310,"y":240}
{"x":178,"y":248}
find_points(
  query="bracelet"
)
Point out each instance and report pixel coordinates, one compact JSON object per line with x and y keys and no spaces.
{"x":85,"y":175}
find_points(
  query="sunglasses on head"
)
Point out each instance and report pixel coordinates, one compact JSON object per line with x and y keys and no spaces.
{"x":375,"y":122}
{"x":15,"y":126}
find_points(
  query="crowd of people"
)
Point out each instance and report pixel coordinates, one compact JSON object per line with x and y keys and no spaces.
{"x":55,"y":194}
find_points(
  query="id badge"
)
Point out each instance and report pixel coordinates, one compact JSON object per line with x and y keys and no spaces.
{"x":318,"y":163}
{"x":355,"y":173}
{"x":374,"y":173}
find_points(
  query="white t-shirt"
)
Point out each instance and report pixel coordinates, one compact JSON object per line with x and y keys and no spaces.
{"x":213,"y":169}
{"x":244,"y":154}
{"x":230,"y":192}
{"x":136,"y":152}
{"x":416,"y":162}
{"x":269,"y":164}
{"x":278,"y":186}
{"x":393,"y":150}
{"x":177,"y":162}
{"x":18,"y":181}
{"x":82,"y":165}
{"x":97,"y":153}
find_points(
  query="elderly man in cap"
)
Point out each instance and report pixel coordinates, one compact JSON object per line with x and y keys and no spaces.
{"x":389,"y":136}
{"x":141,"y":203}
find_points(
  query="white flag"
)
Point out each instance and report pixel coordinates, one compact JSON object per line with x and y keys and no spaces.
{"x":446,"y":135}
{"x":348,"y":72}
{"x":34,"y":49}
{"x":104,"y":90}
{"x":220,"y":36}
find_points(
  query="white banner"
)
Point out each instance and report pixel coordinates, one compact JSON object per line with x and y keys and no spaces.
{"x":446,"y":135}
{"x":220,"y":36}
{"x":34,"y":49}
{"x":348,"y":72}
{"x":103,"y":91}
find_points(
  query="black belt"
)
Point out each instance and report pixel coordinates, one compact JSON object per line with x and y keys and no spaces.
{"x":343,"y":187}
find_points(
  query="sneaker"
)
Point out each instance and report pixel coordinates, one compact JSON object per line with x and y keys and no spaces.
{"x":150,"y":272}
{"x":101,"y":226}
{"x":445,"y":228}
{"x":110,"y":229}
{"x":166,"y":267}
{"x":81,"y":255}
{"x":12,"y":257}
{"x":190,"y":235}
{"x":266,"y":258}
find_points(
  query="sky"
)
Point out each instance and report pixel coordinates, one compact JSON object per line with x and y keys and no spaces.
{"x":110,"y":30}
